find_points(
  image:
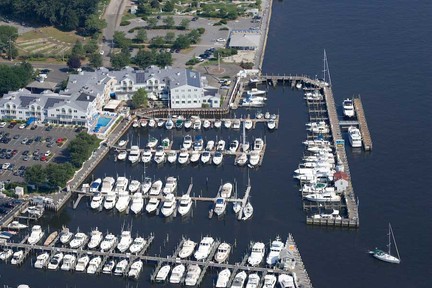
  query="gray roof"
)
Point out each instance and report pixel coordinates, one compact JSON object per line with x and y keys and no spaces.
{"x":244,"y":38}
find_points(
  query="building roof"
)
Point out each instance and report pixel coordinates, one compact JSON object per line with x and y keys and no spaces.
{"x":46,"y":85}
{"x":244,"y":38}
{"x":340,"y":175}
{"x":112,"y":104}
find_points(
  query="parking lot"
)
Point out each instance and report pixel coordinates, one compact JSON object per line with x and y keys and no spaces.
{"x":8,"y":207}
{"x":36,"y":144}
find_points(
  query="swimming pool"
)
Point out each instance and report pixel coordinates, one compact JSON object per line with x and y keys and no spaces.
{"x":101,"y":122}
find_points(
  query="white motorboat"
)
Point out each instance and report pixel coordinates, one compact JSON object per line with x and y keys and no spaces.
{"x":95,"y":185}
{"x":166,"y":143}
{"x":147,"y":155}
{"x":172,"y":156}
{"x":198,"y":143}
{"x":227,"y":123}
{"x":97,"y":201}
{"x":259,"y":115}
{"x":244,"y":147}
{"x":179,"y":122}
{"x":123,"y":201}
{"x":94,"y":265}
{"x":267,"y":115}
{"x":5,"y":254}
{"x":275,"y":250}
{"x":137,"y":245}
{"x":188,"y":124}
{"x":78,"y":241}
{"x":65,"y":235}
{"x":36,"y":235}
{"x":122,"y":143}
{"x":239,"y":280}
{"x":187,"y":249}
{"x":234,"y":146}
{"x":255,"y":92}
{"x":156,"y":188}
{"x":121,"y":185}
{"x":236,"y":124}
{"x":242,"y":159}
{"x":160,"y":122}
{"x":107,"y":185}
{"x":177,"y":274}
{"x":328,"y":216}
{"x":205,"y":157}
{"x":134,"y":186}
{"x":348,"y":108}
{"x":146,"y":185}
{"x":152,"y":142}
{"x":206,"y":124}
{"x":386,"y":256}
{"x":125,"y":241}
{"x":248,"y":124}
{"x":258,"y":144}
{"x":162,"y":274}
{"x":269,"y":281}
{"x":257,"y":254}
{"x":195,"y":156}
{"x":204,"y":248}
{"x":55,"y":261}
{"x":223,"y":278}
{"x":135,"y":269}
{"x":96,"y":237}
{"x":108,"y":242}
{"x":323,"y":197}
{"x":217,"y":158}
{"x":237,"y":207}
{"x":355,"y":137}
{"x":159,"y":156}
{"x":134,"y":154}
{"x":170,"y":185}
{"x":253,"y":281}
{"x":197,"y":124}
{"x":227,"y":189}
{"x":17,"y":257}
{"x":271,"y":124}
{"x":298,"y":85}
{"x":120,"y":268}
{"x":210,"y":145}
{"x":169,"y":124}
{"x":109,"y":267}
{"x":183,"y":157}
{"x":41,"y":260}
{"x":137,"y":202}
{"x":192,"y":275}
{"x":152,"y":123}
{"x":217,"y":123}
{"x":254,"y":158}
{"x":169,"y":205}
{"x":222,"y":253}
{"x":185,"y":204}
{"x":143,"y":123}
{"x":220,"y":145}
{"x":220,"y":206}
{"x":110,"y":200}
{"x":69,"y":262}
{"x":286,"y":281}
{"x":15,"y":225}
{"x":152,"y":205}
{"x":135,"y":124}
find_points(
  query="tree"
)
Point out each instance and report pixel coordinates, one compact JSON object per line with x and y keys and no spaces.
{"x":74,"y":62}
{"x":169,"y":21}
{"x":168,"y":7}
{"x":59,"y":174}
{"x":144,"y":58}
{"x":164,"y":59}
{"x":35,"y":175}
{"x":157,"y":41}
{"x":78,"y":50}
{"x":194,"y":36}
{"x":91,"y":47}
{"x":139,"y":99}
{"x":152,"y":22}
{"x":181,"y":42}
{"x":120,"y":60}
{"x":121,"y":41}
{"x":96,"y":60}
{"x":155,"y":4}
{"x":184,"y":24}
{"x":8,"y":35}
{"x":14,"y":77}
{"x":169,"y":37}
{"x":93,"y":24}
{"x":141,"y":35}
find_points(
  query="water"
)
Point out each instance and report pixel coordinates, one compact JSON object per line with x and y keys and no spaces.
{"x":375,"y":49}
{"x":102,"y":122}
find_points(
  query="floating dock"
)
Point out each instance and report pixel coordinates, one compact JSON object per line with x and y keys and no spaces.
{"x":367,"y":140}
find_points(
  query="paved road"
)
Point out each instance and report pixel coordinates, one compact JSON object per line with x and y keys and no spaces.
{"x":112,"y":16}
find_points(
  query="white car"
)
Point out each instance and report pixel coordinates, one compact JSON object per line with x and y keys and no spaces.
{"x":101,"y":52}
{"x":22,"y":126}
{"x":221,"y":40}
{"x":2,"y":124}
{"x":5,"y":166}
{"x":47,"y":153}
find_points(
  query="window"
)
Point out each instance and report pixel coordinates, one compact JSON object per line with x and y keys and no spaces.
{"x":177,"y":102}
{"x":189,"y":101}
{"x":57,"y":110}
{"x":195,"y":89}
{"x":195,"y":101}
{"x":82,"y":117}
{"x":20,"y":112}
{"x":183,"y":102}
{"x":75,"y":111}
{"x":52,"y":115}
{"x":189,"y":90}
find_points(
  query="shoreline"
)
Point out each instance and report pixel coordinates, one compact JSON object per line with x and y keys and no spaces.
{"x":267,"y":7}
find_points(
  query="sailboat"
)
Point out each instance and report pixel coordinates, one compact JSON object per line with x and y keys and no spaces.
{"x":386,"y":256}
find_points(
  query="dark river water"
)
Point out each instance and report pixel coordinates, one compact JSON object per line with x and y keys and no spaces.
{"x":378,"y":49}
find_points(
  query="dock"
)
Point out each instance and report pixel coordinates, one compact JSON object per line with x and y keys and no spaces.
{"x":367,"y":140}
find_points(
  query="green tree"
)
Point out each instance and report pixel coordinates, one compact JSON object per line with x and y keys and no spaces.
{"x":8,"y":35}
{"x":163,"y":59}
{"x":168,"y":7}
{"x":157,"y":42}
{"x":141,"y":35}
{"x":59,"y":174}
{"x":144,"y":58}
{"x":152,"y":22}
{"x":35,"y":175}
{"x":155,"y":4}
{"x":91,"y":47}
{"x":78,"y":49}
{"x":139,"y":98}
{"x":93,"y":24}
{"x":181,"y":42}
{"x":96,"y":60}
{"x":184,"y":24}
{"x":194,"y":36}
{"x":120,"y":60}
{"x":169,"y":21}
{"x":74,"y":62}
{"x":121,"y":41}
{"x":14,"y":77}
{"x":169,"y":37}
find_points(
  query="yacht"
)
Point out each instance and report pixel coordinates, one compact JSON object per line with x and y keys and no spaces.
{"x":236,"y":124}
{"x":188,"y":124}
{"x":137,"y":245}
{"x":248,"y":124}
{"x":237,"y":207}
{"x":170,"y":185}
{"x":323,"y":197}
{"x":204,"y":248}
{"x":65,"y":235}
{"x":69,"y":262}
{"x":152,"y":205}
{"x":172,"y":156}
{"x":192,"y":275}
{"x":121,"y":185}
{"x":108,"y":242}
{"x":96,"y":237}
{"x":234,"y":146}
{"x":258,"y":144}
{"x":125,"y":241}
{"x":220,"y":206}
{"x":267,"y":115}
{"x":223,"y":278}
{"x":36,"y":235}
{"x":163,"y":273}
{"x":259,"y":115}
{"x":169,"y":124}
{"x":198,"y":143}
{"x":179,"y":123}
{"x":135,"y":269}
{"x":134,"y":186}
{"x":146,"y":185}
{"x":227,"y":189}
{"x":205,"y":157}
{"x":137,"y":202}
{"x":55,"y":261}
{"x":247,"y":211}
{"x":123,"y":201}
{"x":286,"y":281}
{"x":152,"y":123}
{"x":348,"y":108}
{"x":50,"y":239}
{"x":160,"y":122}
{"x":134,"y":154}
{"x":120,"y":268}
{"x":183,"y":157}
{"x":97,"y":201}
{"x":156,"y":188}
{"x":95,"y":185}
{"x":5,"y":254}
{"x":220,"y":145}
{"x":275,"y":250}
{"x":269,"y":281}
{"x":15,"y":225}
{"x":159,"y":155}
{"x":299,"y":85}
{"x":107,"y":185}
{"x":244,"y":147}
{"x":17,"y":257}
{"x":242,"y":159}
{"x":255,"y":92}
{"x":166,"y":143}
{"x":197,"y":124}
{"x":110,"y":200}
{"x":239,"y":280}
{"x":82,"y":263}
{"x":78,"y":240}
{"x":253,"y":281}
{"x":218,"y":123}
{"x":94,"y":265}
{"x":206,"y":124}
{"x":195,"y":156}
{"x":152,"y":142}
{"x":355,"y":137}
{"x":187,"y":249}
{"x":227,"y":123}
{"x":41,"y":260}
{"x":169,"y":205}
{"x":257,"y":254}
{"x":185,"y":204}
{"x":271,"y":124}
{"x":177,"y":274}
{"x":210,"y":145}
{"x":222,"y":252}
{"x":109,"y":267}
{"x":147,"y":155}
{"x":217,"y":158}
{"x":135,"y":124}
{"x":143,"y":122}
{"x":254,"y":158}
{"x":121,"y":143}
{"x":333,"y":215}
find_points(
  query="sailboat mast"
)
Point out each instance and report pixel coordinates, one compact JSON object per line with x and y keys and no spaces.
{"x":389,"y":241}
{"x":394,"y":240}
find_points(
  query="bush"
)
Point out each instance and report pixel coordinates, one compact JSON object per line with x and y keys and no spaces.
{"x":201,"y":30}
{"x":223,"y":28}
{"x":246,"y":65}
{"x":125,"y":23}
{"x":192,"y":61}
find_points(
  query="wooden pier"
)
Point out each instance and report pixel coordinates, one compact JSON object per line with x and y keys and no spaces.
{"x":367,"y":140}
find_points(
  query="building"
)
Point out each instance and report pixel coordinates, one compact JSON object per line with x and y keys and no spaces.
{"x":244,"y":39}
{"x":341,"y":181}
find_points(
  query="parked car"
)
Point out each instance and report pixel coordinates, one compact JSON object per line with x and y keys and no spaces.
{"x":16,"y":136}
{"x":22,"y":126}
{"x":34,"y":127}
{"x":24,"y":141}
{"x":48,"y":128}
{"x":3,"y":124}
